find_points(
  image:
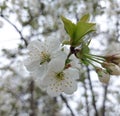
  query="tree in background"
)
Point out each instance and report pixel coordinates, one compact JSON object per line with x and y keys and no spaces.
{"x":38,"y":20}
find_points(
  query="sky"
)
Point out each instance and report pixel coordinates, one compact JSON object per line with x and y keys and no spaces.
{"x":9,"y":38}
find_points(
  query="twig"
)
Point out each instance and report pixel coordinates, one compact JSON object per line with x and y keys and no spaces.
{"x":66,"y":102}
{"x":91,"y":88}
{"x":21,"y":36}
{"x":104,"y":100}
{"x":32,"y":103}
{"x":86,"y":98}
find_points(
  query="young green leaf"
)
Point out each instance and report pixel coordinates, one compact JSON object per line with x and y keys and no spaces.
{"x":85,"y":18}
{"x":69,"y":26}
{"x":82,"y":29}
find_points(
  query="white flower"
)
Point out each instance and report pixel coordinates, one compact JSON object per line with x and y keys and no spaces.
{"x":40,"y":54}
{"x":58,"y":79}
{"x":103,"y":75}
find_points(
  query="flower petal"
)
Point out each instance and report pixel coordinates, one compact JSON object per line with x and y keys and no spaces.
{"x":48,"y":79}
{"x":72,"y":73}
{"x":56,"y":65}
{"x":70,"y":86}
{"x":36,"y":45}
{"x":53,"y":91}
{"x":59,"y":54}
{"x":52,"y":44}
{"x":31,"y":65}
{"x":40,"y":71}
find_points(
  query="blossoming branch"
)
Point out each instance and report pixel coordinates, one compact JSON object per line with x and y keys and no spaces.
{"x":56,"y":63}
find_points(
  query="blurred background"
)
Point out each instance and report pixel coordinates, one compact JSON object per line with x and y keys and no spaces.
{"x":22,"y":21}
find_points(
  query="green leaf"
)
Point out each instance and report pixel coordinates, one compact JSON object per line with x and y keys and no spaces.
{"x":82,"y":29}
{"x":85,"y":18}
{"x":69,"y":26}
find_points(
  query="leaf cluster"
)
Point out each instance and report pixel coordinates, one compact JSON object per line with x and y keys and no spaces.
{"x":77,"y":31}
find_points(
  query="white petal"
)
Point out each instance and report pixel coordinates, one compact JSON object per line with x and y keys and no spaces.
{"x":52,"y":44}
{"x":59,"y":54}
{"x":35,"y":48}
{"x":52,"y":91}
{"x":38,"y":45}
{"x":34,"y":56}
{"x":70,"y":86}
{"x":56,"y":65}
{"x":48,"y":79}
{"x":40,"y":71}
{"x":31,"y":65}
{"x":72,"y":73}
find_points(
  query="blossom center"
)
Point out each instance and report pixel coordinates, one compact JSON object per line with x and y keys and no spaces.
{"x":60,"y":76}
{"x":45,"y":57}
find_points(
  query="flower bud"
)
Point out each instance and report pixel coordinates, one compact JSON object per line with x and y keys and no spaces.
{"x":103,"y":75}
{"x":113,"y":58}
{"x":112,"y":68}
{"x":116,"y":58}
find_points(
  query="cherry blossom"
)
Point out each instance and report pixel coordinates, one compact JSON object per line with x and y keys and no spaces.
{"x":58,"y":79}
{"x":40,"y":54}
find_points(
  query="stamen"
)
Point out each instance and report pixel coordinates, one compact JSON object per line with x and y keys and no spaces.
{"x":45,"y":57}
{"x":60,"y":76}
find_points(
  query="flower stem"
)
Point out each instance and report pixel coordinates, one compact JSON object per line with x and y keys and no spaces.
{"x":93,"y":59}
{"x":96,"y":57}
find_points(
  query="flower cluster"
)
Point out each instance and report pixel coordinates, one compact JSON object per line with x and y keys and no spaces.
{"x":57,"y":66}
{"x":50,"y":63}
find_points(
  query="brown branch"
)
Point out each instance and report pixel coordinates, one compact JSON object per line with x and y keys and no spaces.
{"x":66,"y":102}
{"x":91,"y":88}
{"x":86,"y":99}
{"x":32,"y":102}
{"x":104,"y":100}
{"x":21,"y":36}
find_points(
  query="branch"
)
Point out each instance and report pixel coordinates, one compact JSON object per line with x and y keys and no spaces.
{"x":66,"y":102}
{"x":32,"y":102}
{"x":91,"y":88}
{"x":21,"y":36}
{"x":86,"y":99}
{"x":104,"y":100}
